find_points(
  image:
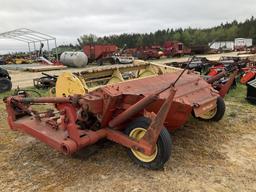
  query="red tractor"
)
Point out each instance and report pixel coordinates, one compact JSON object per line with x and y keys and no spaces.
{"x":175,"y":48}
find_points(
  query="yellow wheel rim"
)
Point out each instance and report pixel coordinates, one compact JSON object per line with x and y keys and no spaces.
{"x":209,"y":114}
{"x":69,"y":84}
{"x":137,"y":134}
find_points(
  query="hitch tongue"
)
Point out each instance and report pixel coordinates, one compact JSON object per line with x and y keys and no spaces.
{"x":157,"y":124}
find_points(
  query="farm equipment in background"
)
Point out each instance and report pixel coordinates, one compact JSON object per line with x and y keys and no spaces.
{"x":17,"y":59}
{"x":146,"y":53}
{"x":249,"y":50}
{"x":175,"y":48}
{"x":169,"y":49}
{"x":38,"y":56}
{"x":224,"y":80}
{"x":5,"y":81}
{"x":45,"y":82}
{"x":227,"y":70}
{"x":225,"y":62}
{"x":251,"y":91}
{"x":249,"y":74}
{"x":200,"y":49}
{"x":106,"y":53}
{"x":129,"y":113}
{"x":199,"y":64}
{"x":222,"y":77}
{"x":98,"y":52}
{"x":120,"y":57}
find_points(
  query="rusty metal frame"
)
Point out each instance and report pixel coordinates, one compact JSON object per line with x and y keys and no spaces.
{"x":113,"y":106}
{"x":77,"y":139}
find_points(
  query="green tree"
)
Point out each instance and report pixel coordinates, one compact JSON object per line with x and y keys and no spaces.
{"x":87,"y":39}
{"x":189,"y":36}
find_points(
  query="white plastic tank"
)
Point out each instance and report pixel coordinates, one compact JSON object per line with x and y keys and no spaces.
{"x":74,"y":59}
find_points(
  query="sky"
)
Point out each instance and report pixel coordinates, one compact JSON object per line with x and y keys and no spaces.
{"x":67,"y":20}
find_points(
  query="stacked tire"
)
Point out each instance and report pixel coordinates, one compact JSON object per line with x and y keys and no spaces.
{"x":5,"y":84}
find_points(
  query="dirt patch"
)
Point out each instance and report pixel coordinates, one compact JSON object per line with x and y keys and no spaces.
{"x":242,"y":150}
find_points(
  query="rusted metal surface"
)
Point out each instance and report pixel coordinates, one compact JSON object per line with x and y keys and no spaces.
{"x":157,"y":123}
{"x":95,"y":52}
{"x":191,"y":89}
{"x":44,"y":100}
{"x":133,"y":110}
{"x":212,"y":79}
{"x":82,"y":120}
{"x":121,"y":138}
{"x":225,"y":88}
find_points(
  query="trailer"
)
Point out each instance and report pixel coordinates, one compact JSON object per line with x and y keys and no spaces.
{"x":242,"y":43}
{"x":96,"y":52}
{"x":109,"y":53}
{"x":222,"y":46}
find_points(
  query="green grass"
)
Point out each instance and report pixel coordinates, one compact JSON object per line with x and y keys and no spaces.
{"x":238,"y":96}
{"x":31,"y":91}
{"x":239,"y":93}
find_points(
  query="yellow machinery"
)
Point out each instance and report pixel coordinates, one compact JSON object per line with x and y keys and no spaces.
{"x":91,"y":78}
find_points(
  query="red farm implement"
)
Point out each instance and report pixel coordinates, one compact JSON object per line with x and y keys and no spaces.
{"x":174,"y":48}
{"x":129,"y":113}
{"x":249,"y":74}
{"x":150,"y":52}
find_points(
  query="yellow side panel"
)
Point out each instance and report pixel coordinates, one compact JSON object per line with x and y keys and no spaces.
{"x":116,"y":77}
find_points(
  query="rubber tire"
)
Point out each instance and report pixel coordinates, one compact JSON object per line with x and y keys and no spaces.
{"x":164,"y":144}
{"x":221,"y":107}
{"x":5,"y":85}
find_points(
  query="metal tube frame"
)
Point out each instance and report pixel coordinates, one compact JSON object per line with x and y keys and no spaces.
{"x":30,"y":36}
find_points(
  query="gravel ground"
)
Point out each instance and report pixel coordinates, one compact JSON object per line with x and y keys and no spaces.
{"x":205,"y":157}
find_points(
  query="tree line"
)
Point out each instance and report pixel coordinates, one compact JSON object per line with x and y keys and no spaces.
{"x":189,"y":36}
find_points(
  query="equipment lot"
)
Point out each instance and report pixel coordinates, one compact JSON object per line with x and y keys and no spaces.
{"x":23,"y":78}
{"x":205,"y":157}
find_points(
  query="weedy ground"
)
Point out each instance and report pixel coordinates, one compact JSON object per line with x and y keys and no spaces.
{"x":205,"y":157}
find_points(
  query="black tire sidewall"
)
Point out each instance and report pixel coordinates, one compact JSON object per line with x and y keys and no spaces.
{"x":221,"y":108}
{"x":5,"y":85}
{"x":163,"y":145}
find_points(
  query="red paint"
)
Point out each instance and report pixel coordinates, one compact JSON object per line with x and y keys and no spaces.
{"x":112,"y":107}
{"x":95,"y":52}
{"x":249,"y":75}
